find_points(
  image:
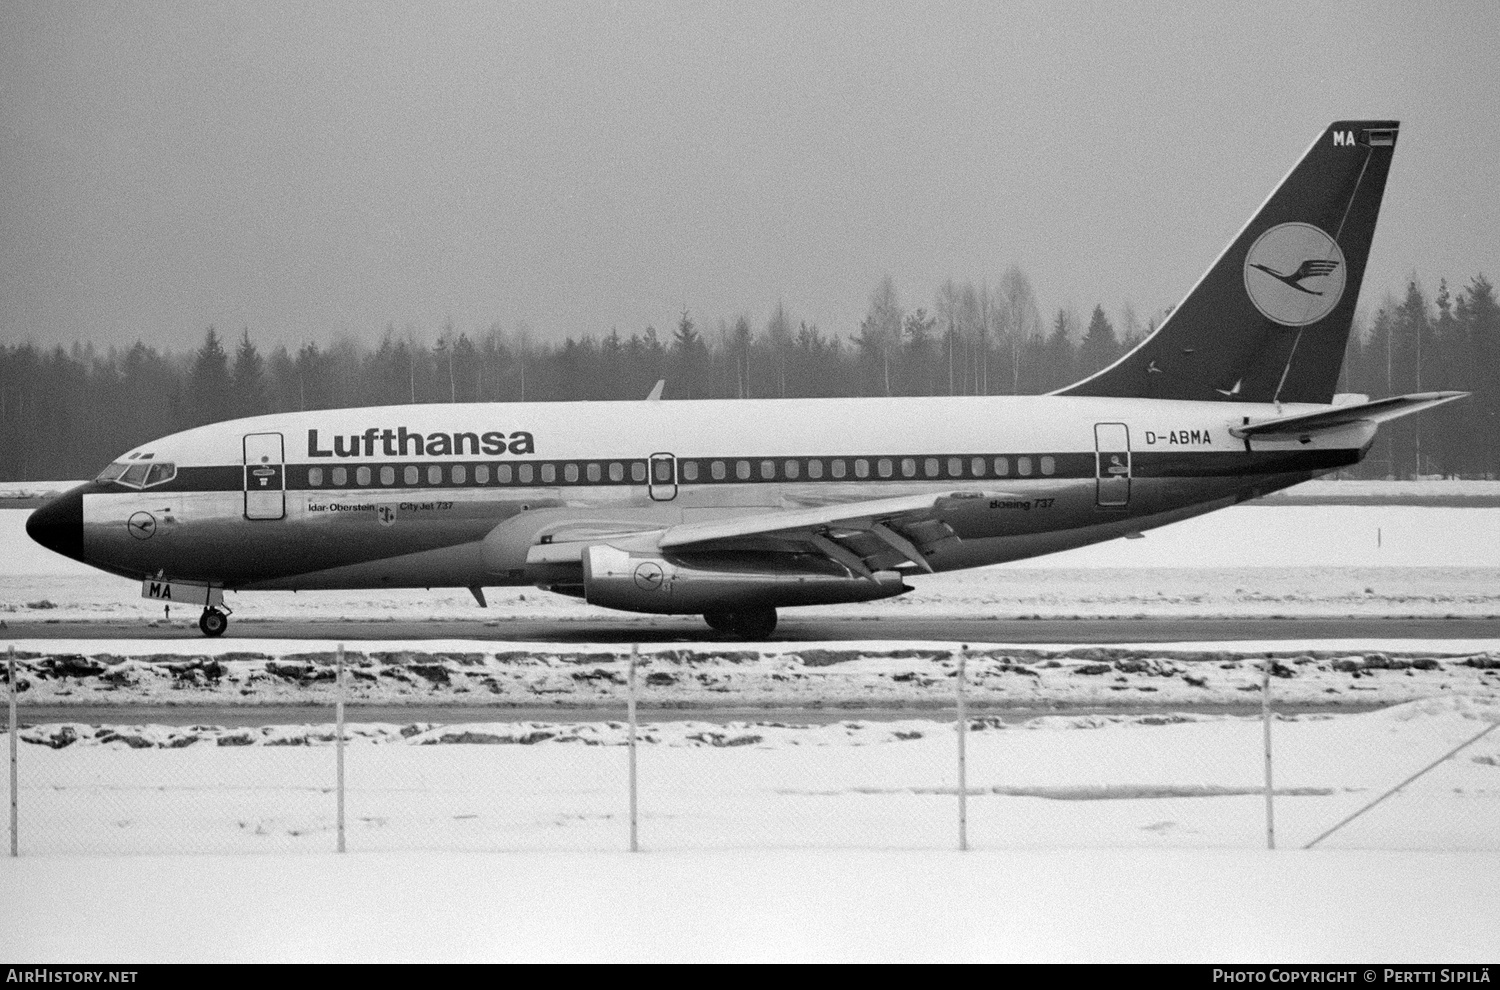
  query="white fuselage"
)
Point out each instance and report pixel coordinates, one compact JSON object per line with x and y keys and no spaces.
{"x":460,"y":495}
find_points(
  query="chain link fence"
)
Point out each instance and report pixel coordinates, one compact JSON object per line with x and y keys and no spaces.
{"x":823,"y":772}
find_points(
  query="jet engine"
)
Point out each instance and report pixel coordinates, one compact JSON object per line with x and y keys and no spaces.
{"x":689,"y":585}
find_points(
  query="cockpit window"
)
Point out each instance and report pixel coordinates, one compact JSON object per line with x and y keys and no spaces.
{"x":112,"y":472}
{"x":160,"y":473}
{"x":142,"y":474}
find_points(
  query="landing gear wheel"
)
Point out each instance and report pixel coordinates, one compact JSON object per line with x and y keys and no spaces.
{"x":719,"y":621}
{"x":753,"y":623}
{"x":213,"y":622}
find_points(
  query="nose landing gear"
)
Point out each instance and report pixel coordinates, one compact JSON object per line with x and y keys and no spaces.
{"x":213,"y":622}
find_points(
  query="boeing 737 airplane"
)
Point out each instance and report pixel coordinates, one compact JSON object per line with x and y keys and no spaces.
{"x":734,"y":509}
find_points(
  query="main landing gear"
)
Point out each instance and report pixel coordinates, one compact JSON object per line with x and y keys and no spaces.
{"x":213,"y":622}
{"x":753,"y":622}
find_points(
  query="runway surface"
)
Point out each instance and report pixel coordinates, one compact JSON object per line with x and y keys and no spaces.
{"x":671,"y":629}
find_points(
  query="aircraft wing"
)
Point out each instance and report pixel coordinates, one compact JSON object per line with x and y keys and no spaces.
{"x":868,"y":536}
{"x":1306,"y":424}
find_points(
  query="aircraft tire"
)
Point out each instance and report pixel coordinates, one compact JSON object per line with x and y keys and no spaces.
{"x":753,"y":623}
{"x":213,"y":622}
{"x":719,"y":621}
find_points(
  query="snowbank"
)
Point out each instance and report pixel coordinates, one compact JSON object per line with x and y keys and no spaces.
{"x":793,"y":675}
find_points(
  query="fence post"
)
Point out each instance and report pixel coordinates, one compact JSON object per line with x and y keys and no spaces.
{"x":338,"y":718}
{"x":630,"y":712}
{"x":1265,"y":718}
{"x":963,"y":779}
{"x":15,"y":732}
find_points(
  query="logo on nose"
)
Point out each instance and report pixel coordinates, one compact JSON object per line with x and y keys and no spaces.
{"x":142,"y":525}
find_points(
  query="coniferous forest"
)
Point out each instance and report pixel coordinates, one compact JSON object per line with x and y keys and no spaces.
{"x":66,"y":412}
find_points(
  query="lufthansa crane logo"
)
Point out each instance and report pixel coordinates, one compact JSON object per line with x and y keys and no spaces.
{"x":1294,"y":274}
{"x":648,"y":576}
{"x":142,"y":525}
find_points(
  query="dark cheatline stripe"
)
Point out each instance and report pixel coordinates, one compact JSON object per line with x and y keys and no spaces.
{"x":1224,"y":464}
{"x":1068,"y":466}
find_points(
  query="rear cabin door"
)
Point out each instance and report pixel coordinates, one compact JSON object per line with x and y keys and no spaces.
{"x":662,"y":482}
{"x":265,"y":477}
{"x":1112,"y":464}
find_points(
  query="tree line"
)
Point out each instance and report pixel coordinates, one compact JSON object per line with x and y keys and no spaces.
{"x":65,"y":412}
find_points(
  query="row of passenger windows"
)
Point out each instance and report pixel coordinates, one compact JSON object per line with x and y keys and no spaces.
{"x":863,"y":467}
{"x":792,"y":469}
{"x":459,"y":474}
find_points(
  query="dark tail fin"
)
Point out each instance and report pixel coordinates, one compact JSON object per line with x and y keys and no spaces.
{"x":1270,"y":319}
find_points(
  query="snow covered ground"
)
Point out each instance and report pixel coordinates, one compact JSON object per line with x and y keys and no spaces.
{"x":1096,"y":836}
{"x":1103,"y":838}
{"x":489,"y":677}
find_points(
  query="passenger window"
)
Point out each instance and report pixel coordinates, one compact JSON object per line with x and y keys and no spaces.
{"x":792,"y":469}
{"x":977,"y":466}
{"x":883,"y":466}
{"x":524,"y":474}
{"x":767,"y":470}
{"x":503,"y":474}
{"x":742,"y":470}
{"x":340,"y":477}
{"x":549,"y":474}
{"x":930,"y":467}
{"x":434,"y":474}
{"x":594,"y":472}
{"x":1002,"y":466}
{"x":908,"y":467}
{"x":482,"y":474}
{"x":716,"y":469}
{"x":411,"y":475}
{"x":689,"y":470}
{"x":815,"y":469}
{"x":637,"y":472}
{"x":460,"y":474}
{"x":315,"y":477}
{"x":570,"y":473}
{"x":1023,"y":466}
{"x":388,"y":475}
{"x":616,"y":471}
{"x":160,"y":474}
{"x":362,"y":475}
{"x":664,"y":472}
{"x":861,"y":468}
{"x":1049,"y":465}
{"x":955,"y":467}
{"x":838,"y":468}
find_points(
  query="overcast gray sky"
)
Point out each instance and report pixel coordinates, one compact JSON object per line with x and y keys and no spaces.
{"x":309,"y":169}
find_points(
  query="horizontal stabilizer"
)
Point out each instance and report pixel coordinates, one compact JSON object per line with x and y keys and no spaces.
{"x":1330,"y":419}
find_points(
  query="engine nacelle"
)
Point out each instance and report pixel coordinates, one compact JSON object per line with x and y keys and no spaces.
{"x":649,"y":582}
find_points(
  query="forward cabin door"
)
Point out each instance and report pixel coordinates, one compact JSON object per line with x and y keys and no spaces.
{"x":1112,"y":464}
{"x":265,"y":477}
{"x":662,"y":481}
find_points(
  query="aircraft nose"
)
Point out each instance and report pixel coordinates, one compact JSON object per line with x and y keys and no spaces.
{"x":58,"y":525}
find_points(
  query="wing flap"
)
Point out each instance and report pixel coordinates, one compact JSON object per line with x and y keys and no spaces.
{"x":859,"y":516}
